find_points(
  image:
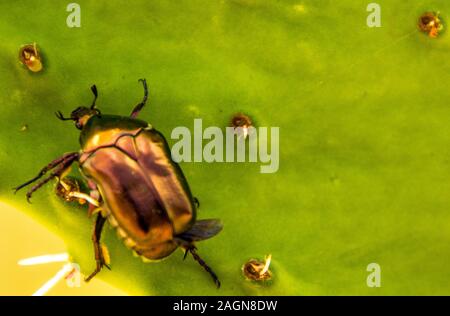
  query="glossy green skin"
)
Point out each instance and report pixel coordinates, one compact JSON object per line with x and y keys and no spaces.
{"x":144,"y":192}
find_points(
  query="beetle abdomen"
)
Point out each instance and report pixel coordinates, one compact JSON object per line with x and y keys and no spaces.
{"x":147,"y":253}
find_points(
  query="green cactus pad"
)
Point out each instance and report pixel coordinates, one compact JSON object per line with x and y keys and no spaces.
{"x":364,"y":133}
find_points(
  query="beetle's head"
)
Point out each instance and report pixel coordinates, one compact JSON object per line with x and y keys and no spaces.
{"x":82,"y":113}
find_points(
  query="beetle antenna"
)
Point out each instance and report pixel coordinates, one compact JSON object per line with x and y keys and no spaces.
{"x":94,"y":91}
{"x":61,"y":116}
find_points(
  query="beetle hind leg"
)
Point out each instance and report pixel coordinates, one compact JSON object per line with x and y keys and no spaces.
{"x":140,"y":105}
{"x":193,"y":251}
{"x":101,"y":252}
{"x":189,"y":247}
{"x":201,"y":230}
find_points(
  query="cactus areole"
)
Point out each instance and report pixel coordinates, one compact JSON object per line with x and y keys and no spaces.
{"x":134,"y":184}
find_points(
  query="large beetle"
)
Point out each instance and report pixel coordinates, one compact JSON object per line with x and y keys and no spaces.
{"x":134,"y":184}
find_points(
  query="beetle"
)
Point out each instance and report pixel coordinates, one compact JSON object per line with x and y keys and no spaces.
{"x":133,"y":183}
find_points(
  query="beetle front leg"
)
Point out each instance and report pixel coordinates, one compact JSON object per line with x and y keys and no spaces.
{"x":140,"y":105}
{"x":100,"y":252}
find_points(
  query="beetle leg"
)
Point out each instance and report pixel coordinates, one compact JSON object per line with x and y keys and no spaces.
{"x":61,"y":168}
{"x":139,"y":107}
{"x":193,"y":251}
{"x":98,"y":249}
{"x":68,"y":158}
